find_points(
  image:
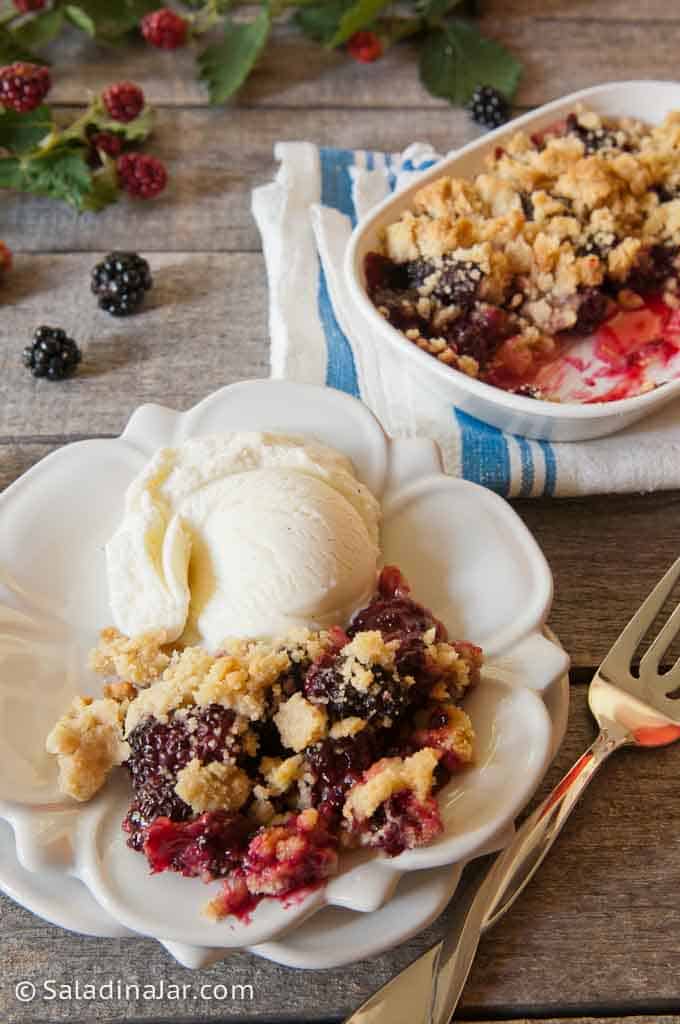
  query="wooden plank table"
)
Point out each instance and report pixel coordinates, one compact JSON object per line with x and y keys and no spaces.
{"x":596,"y":935}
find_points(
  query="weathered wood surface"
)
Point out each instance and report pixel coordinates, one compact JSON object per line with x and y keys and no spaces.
{"x":596,"y":933}
{"x":598,"y":927}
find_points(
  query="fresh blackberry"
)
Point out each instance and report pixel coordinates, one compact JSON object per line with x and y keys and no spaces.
{"x":120,"y":281}
{"x":141,"y":175}
{"x":488,"y":107}
{"x":52,"y":354}
{"x":124,"y":101}
{"x":23,"y":86}
{"x":165,"y":29}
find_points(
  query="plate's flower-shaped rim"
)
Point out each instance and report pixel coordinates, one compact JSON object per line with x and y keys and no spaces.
{"x":89,"y":478}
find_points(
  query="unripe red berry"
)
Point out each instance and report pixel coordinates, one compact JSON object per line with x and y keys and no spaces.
{"x":23,"y":87}
{"x":165,"y":29}
{"x":124,"y":101}
{"x":141,"y":175}
{"x":365,"y":46}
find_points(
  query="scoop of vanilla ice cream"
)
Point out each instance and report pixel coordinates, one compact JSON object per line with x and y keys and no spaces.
{"x":243,"y":534}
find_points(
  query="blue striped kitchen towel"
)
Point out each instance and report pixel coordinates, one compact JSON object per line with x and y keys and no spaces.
{"x":305,"y":217}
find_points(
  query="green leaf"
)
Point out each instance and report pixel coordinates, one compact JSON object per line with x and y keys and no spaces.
{"x":226,"y":65}
{"x":11,"y":49}
{"x":456,"y":59}
{"x":10,"y":173}
{"x":60,"y":173}
{"x":21,"y":132}
{"x":133,"y":131}
{"x":107,"y":20}
{"x":40,"y":30}
{"x":104,"y":188}
{"x":320,"y":22}
{"x":81,"y":19}
{"x":434,"y":10}
{"x":359,"y":15}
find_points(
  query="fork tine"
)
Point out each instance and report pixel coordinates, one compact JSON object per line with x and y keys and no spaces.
{"x":657,"y":649}
{"x":621,"y":654}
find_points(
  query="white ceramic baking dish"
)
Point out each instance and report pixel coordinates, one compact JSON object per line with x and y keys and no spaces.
{"x":648,"y":101}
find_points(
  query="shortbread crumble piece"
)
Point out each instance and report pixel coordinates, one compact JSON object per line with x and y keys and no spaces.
{"x":219,"y":785}
{"x":300,"y":723}
{"x":389,"y":776}
{"x":88,"y":741}
{"x":139,"y":659}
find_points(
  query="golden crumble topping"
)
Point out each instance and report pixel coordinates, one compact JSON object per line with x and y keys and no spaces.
{"x":219,"y":785}
{"x":139,"y":659}
{"x":554,"y":218}
{"x":347,"y":727}
{"x":88,"y":741}
{"x":280,"y":774}
{"x":363,"y":653}
{"x":300,"y":723}
{"x":242,"y":677}
{"x":389,"y":776}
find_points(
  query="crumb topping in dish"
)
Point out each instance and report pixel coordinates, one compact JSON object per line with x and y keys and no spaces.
{"x":561,"y":231}
{"x":88,"y":741}
{"x":139,"y":659}
{"x":256,"y":765}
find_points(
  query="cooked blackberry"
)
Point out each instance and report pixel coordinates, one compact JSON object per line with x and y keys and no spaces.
{"x":335,"y":766}
{"x":206,"y":847}
{"x":599,"y":244}
{"x":654,"y":266}
{"x":457,"y":282}
{"x":385,"y":698}
{"x":596,"y":139}
{"x":52,"y":354}
{"x":488,"y":107}
{"x":120,"y":282}
{"x":592,"y":310}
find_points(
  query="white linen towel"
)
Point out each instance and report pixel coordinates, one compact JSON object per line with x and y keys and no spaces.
{"x":305,"y":217}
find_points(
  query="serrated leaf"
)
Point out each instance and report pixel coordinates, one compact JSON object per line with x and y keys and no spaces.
{"x":226,"y":65}
{"x":61,"y":173}
{"x":11,"y":49}
{"x":22,"y":132}
{"x":81,"y":19}
{"x":40,"y":30}
{"x":456,"y":59}
{"x":320,"y":22}
{"x":359,"y":15}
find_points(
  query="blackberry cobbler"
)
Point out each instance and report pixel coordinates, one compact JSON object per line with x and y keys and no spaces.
{"x":259,"y":764}
{"x":562,"y":231}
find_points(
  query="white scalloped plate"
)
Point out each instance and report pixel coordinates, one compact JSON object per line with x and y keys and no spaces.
{"x":484,"y":576}
{"x":334,"y":937}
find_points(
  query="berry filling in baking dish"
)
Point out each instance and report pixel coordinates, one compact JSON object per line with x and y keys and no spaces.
{"x":259,"y":764}
{"x":552,"y":274}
